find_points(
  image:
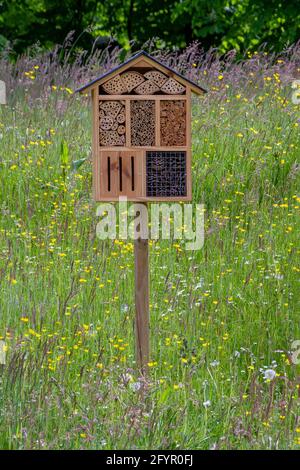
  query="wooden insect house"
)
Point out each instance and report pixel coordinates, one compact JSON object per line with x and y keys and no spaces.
{"x":142,"y":132}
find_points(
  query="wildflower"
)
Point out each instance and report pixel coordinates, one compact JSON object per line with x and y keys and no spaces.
{"x":135,"y":386}
{"x":206,"y":403}
{"x":152,"y":364}
{"x":269,"y":374}
{"x":214,"y":363}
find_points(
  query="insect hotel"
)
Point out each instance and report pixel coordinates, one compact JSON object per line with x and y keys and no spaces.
{"x":142,"y":150}
{"x":142,"y":132}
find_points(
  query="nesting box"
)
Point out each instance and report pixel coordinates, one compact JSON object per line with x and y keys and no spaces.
{"x":142,"y":132}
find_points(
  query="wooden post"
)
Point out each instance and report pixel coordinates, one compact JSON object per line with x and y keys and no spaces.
{"x":141,"y":254}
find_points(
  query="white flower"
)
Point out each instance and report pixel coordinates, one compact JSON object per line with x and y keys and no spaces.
{"x":206,"y":403}
{"x":135,"y":386}
{"x":215,"y":363}
{"x":269,"y":374}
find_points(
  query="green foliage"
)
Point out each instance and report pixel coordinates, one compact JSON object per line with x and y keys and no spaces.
{"x":76,"y":164}
{"x":227,"y":24}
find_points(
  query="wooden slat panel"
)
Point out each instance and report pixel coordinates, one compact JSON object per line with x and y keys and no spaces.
{"x":120,"y":170}
{"x":131,"y":174}
{"x":109,"y":165}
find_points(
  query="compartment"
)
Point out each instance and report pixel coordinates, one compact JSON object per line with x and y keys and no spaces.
{"x":173,"y":123}
{"x":142,"y":123}
{"x":166,"y":174}
{"x":121,"y":174}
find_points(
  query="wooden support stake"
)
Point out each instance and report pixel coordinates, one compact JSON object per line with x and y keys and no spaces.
{"x":141,"y":253}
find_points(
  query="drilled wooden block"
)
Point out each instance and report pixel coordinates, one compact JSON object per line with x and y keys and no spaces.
{"x":111,"y":139}
{"x":111,"y":108}
{"x":132,"y":79}
{"x":142,"y":123}
{"x":106,"y":123}
{"x":147,"y":88}
{"x":121,"y":118}
{"x":121,"y":130}
{"x":114,"y":86}
{"x":172,"y":87}
{"x":157,"y":77}
{"x":172,"y":123}
{"x":111,"y":131}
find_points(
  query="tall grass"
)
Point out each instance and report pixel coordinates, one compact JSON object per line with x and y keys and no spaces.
{"x":219,"y":317}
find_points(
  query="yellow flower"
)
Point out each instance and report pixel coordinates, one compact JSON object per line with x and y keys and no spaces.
{"x":25,"y":319}
{"x":152,"y":364}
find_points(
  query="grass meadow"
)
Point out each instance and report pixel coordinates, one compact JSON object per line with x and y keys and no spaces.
{"x":223,"y":319}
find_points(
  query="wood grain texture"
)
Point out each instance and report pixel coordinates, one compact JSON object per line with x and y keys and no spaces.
{"x":142,"y":319}
{"x":120,"y":174}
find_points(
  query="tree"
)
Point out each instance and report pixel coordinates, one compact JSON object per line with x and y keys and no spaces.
{"x":227,"y":24}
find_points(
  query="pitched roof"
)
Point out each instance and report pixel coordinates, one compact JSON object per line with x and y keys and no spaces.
{"x":152,"y":61}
